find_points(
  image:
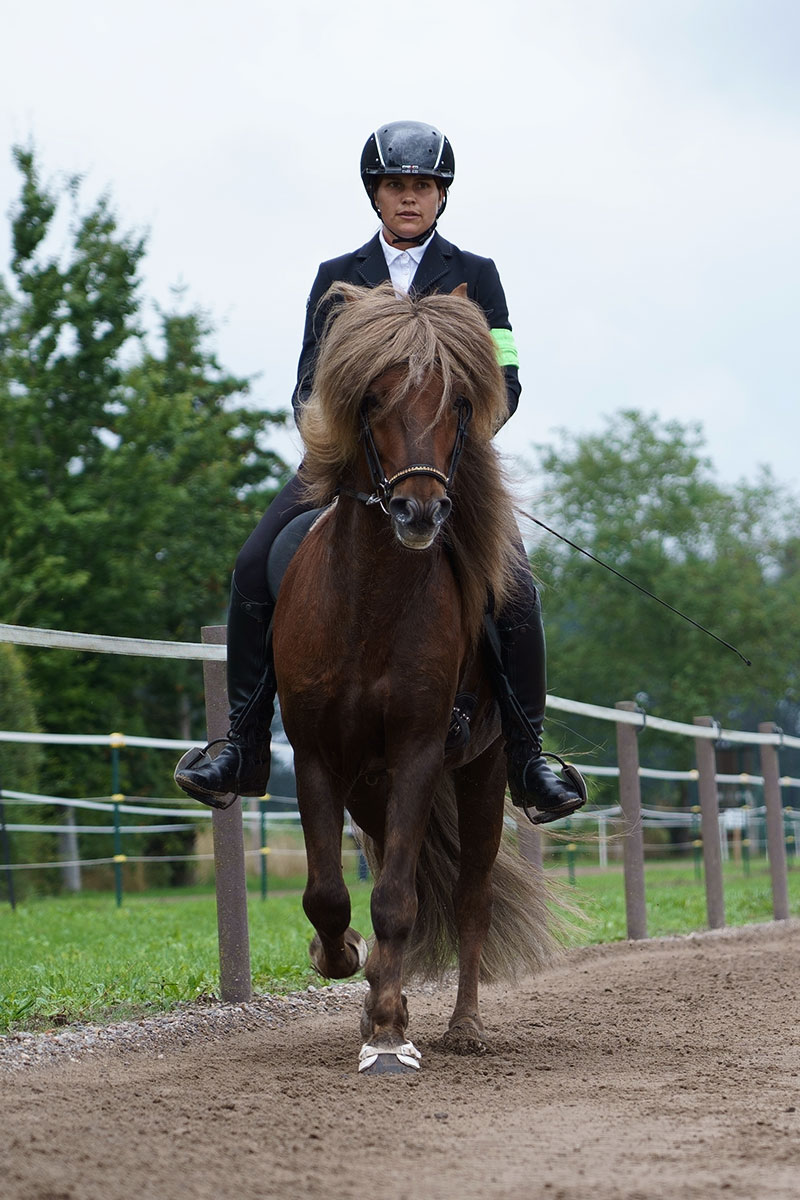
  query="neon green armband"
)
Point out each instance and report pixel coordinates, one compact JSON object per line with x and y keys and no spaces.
{"x":506,"y":347}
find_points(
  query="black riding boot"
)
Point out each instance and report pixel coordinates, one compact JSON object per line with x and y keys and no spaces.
{"x":242,"y":766}
{"x":531,"y":782}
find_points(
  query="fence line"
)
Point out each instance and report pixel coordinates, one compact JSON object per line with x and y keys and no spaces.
{"x":139,"y":809}
{"x":148,"y":858}
{"x":629,"y":720}
{"x":214,"y":651}
{"x":748,"y":818}
{"x":60,"y":639}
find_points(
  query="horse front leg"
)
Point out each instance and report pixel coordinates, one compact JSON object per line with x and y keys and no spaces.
{"x":336,"y":951}
{"x":480,"y":795}
{"x":394,"y":910}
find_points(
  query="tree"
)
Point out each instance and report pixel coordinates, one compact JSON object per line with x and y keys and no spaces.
{"x":63,"y":328}
{"x":641,"y":496}
{"x":132,"y":474}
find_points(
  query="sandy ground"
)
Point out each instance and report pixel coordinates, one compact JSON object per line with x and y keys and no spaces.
{"x":657,"y":1069}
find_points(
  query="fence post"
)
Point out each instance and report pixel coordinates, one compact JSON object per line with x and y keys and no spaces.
{"x":709,"y":818}
{"x":69,"y":853}
{"x":571,"y":848}
{"x":530,"y":842}
{"x":776,"y":845}
{"x":746,"y":843}
{"x":119,"y":857}
{"x":231,"y":885}
{"x":5,"y":847}
{"x":117,"y":740}
{"x":263,"y":848}
{"x":630,"y":799}
{"x":697,"y":842}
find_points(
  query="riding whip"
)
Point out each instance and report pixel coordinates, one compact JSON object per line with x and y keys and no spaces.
{"x":638,"y":586}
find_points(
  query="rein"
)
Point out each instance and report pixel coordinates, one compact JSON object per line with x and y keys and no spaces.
{"x":383,"y":485}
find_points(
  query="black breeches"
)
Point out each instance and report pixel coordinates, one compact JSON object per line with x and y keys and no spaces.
{"x":251,"y":565}
{"x":524,"y":605}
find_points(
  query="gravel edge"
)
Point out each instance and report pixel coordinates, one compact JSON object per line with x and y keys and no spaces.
{"x":213,"y":1019}
{"x":206,"y":1018}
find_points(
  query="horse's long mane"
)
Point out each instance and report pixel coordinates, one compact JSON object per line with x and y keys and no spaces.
{"x":369,"y":331}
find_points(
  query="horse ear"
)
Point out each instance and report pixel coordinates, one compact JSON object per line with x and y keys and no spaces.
{"x":461,"y":291}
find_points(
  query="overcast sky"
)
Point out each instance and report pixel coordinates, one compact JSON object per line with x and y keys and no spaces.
{"x":633,"y":167}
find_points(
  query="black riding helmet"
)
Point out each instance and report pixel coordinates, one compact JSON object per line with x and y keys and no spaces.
{"x":408,"y":148}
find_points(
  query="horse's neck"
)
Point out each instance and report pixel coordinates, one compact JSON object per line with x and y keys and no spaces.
{"x":368,"y":558}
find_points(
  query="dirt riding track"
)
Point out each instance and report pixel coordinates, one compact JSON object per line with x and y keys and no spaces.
{"x":658,"y":1069}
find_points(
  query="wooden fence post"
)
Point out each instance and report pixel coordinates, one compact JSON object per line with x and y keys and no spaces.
{"x":776,"y":846}
{"x":630,"y":799}
{"x":5,"y":851}
{"x":709,"y":822}
{"x":530,"y":842}
{"x":231,"y":885}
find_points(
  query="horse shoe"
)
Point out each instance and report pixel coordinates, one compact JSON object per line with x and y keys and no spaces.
{"x":376,"y":1061}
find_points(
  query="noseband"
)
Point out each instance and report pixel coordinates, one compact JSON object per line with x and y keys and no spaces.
{"x":383,"y":485}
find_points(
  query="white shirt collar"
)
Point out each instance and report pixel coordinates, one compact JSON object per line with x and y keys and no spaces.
{"x":391,"y":253}
{"x":402,"y":264}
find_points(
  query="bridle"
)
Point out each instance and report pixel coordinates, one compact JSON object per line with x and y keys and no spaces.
{"x":383,"y":485}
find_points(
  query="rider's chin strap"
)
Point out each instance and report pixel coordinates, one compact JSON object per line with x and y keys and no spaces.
{"x":419,"y":240}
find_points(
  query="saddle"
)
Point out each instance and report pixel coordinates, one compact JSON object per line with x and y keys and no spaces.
{"x":285,"y":546}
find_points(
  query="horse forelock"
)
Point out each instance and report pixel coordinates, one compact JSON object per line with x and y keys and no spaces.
{"x":368,"y":331}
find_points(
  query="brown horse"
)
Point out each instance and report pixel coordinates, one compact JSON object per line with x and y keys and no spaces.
{"x":377,"y":631}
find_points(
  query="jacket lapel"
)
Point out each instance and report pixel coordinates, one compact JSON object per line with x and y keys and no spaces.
{"x":434,"y":266}
{"x":371,"y":263}
{"x":371,"y":267}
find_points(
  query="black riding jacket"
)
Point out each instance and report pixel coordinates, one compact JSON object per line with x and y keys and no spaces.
{"x":442,"y":269}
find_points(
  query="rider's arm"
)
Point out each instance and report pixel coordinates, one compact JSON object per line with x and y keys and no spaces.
{"x":315,"y":321}
{"x":492,"y":299}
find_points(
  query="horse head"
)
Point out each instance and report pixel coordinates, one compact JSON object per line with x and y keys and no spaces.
{"x":411,"y":452}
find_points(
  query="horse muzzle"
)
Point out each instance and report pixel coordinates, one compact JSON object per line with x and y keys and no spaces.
{"x":416,"y":523}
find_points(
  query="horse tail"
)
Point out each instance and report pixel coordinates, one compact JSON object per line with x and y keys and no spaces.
{"x":524,"y":933}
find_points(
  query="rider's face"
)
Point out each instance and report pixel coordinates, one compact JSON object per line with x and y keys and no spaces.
{"x":408,"y":205}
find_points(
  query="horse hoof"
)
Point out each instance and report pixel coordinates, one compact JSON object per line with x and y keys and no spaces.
{"x":343,"y":967}
{"x":464,"y":1039}
{"x":359,"y":944}
{"x":373,"y":1060}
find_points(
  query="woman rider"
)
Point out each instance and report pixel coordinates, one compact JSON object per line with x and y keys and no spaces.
{"x":406,"y":168}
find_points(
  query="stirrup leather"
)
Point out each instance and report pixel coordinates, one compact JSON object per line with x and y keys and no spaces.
{"x":514,"y":714}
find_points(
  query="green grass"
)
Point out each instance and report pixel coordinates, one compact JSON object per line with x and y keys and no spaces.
{"x":80,"y":958}
{"x":676,"y":900}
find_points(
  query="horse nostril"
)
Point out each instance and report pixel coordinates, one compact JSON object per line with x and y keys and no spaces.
{"x":439,"y":510}
{"x":404,"y":510}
